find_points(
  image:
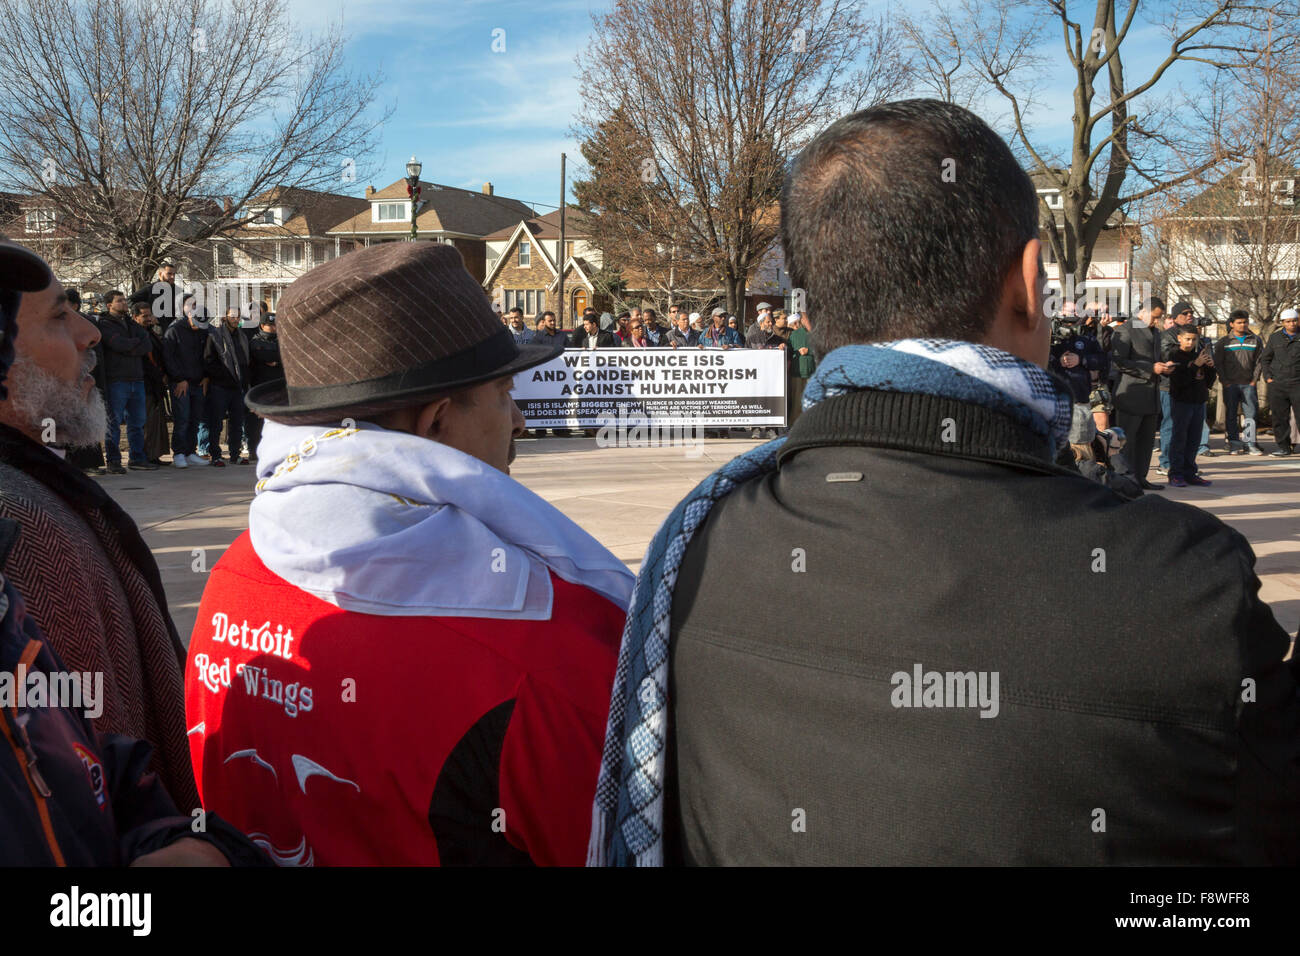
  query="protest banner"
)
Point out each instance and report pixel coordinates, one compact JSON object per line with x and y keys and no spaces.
{"x":586,"y":388}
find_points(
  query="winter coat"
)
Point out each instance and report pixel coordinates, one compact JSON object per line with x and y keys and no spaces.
{"x":973,"y":559}
{"x":1237,"y":358}
{"x":125,"y":343}
{"x":225,"y":357}
{"x":264,"y":358}
{"x":183,"y":352}
{"x":1190,"y":383}
{"x":70,"y":795}
{"x":1281,"y":358}
{"x":359,"y":739}
{"x":1134,"y":350}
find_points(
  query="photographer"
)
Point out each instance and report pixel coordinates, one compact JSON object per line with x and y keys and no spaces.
{"x":1076,"y":357}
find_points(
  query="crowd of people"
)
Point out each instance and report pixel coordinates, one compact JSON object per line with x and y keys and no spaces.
{"x":1154,"y":374}
{"x":176,"y":377}
{"x":411,"y":658}
{"x":638,"y":328}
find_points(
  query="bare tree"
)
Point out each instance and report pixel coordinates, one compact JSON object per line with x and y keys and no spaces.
{"x":147,"y":128}
{"x":1118,"y":153}
{"x":710,"y":99}
{"x":1238,"y":241}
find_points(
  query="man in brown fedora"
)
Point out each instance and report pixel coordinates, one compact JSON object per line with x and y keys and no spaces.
{"x":407,"y":658}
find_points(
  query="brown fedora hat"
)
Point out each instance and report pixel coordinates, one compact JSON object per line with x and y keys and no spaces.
{"x":382,"y":327}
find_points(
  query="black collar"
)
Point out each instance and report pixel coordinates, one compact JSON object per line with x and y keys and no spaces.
{"x":917,"y":422}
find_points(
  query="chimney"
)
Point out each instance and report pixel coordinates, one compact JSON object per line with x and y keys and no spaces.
{"x":370,"y":191}
{"x":487,"y":189}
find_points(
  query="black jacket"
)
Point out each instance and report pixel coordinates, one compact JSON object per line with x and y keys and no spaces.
{"x":1237,"y":360}
{"x":604,"y":340}
{"x":1133,"y":353}
{"x":1281,"y":358}
{"x":225,"y":357}
{"x":1187,"y":382}
{"x":264,"y":358}
{"x":789,"y":743}
{"x":104,"y":806}
{"x":125,"y":343}
{"x":183,"y":352}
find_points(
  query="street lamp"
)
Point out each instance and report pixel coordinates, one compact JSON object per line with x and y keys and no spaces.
{"x":413,"y":190}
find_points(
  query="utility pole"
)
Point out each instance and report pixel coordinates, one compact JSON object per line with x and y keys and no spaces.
{"x":562,"y":256}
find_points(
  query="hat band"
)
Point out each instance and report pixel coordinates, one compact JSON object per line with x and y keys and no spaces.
{"x":474,"y":363}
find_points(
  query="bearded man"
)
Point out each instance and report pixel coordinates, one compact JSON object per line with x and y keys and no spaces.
{"x":89,"y":578}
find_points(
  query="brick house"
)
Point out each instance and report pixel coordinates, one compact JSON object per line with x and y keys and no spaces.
{"x":524,"y":266}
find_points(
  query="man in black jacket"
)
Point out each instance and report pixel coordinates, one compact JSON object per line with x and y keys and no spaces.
{"x":1138,"y":358}
{"x":225,"y":361}
{"x":125,"y":345}
{"x":1279,"y":366}
{"x":183,"y":346}
{"x":264,"y":366}
{"x":590,"y":336}
{"x":844,"y":727}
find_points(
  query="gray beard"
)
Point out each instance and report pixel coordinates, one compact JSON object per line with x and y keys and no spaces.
{"x":38,"y":398}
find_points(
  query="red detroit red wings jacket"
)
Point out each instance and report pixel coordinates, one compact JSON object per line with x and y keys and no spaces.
{"x":334,"y":737}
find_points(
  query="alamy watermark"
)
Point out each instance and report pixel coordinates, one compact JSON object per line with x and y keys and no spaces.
{"x":922,"y":688}
{"x":638,"y":430}
{"x":73,"y":690}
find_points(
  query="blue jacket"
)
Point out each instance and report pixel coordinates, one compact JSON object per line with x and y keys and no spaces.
{"x":69,"y":795}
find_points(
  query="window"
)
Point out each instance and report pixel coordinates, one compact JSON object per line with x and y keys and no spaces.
{"x":525,"y":255}
{"x":291,"y":253}
{"x":390,"y":212}
{"x":320,"y":252}
{"x":264,"y":218}
{"x":225,"y":254}
{"x":40,"y":220}
{"x":568,"y":249}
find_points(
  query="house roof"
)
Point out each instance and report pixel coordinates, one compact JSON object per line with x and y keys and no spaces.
{"x":311,"y":213}
{"x":520,"y":232}
{"x":1222,"y":199}
{"x":576,"y":264}
{"x":446,"y":209}
{"x":548,"y":226}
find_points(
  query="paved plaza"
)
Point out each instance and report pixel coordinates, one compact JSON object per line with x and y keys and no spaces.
{"x":620,"y":496}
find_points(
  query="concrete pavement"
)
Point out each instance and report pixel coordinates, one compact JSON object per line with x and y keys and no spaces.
{"x":621,"y":495}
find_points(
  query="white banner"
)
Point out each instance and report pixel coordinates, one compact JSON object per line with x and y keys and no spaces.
{"x":588,"y":388}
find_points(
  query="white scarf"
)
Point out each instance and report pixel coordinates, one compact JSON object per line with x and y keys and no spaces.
{"x":382,"y":522}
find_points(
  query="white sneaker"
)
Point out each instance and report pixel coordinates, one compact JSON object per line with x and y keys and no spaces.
{"x":178,"y":461}
{"x":196,"y":460}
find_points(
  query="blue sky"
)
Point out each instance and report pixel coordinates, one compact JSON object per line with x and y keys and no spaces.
{"x":473,"y":115}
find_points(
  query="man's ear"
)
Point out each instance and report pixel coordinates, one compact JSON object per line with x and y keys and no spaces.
{"x":429,"y":421}
{"x":1024,"y":286}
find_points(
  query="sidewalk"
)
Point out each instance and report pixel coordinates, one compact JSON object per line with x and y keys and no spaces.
{"x":620,"y":496}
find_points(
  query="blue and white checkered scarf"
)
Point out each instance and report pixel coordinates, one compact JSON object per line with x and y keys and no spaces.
{"x":627,"y":817}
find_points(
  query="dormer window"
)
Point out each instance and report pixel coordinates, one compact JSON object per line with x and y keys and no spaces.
{"x":264,"y":217}
{"x":391,"y":212}
{"x":1053,"y":199}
